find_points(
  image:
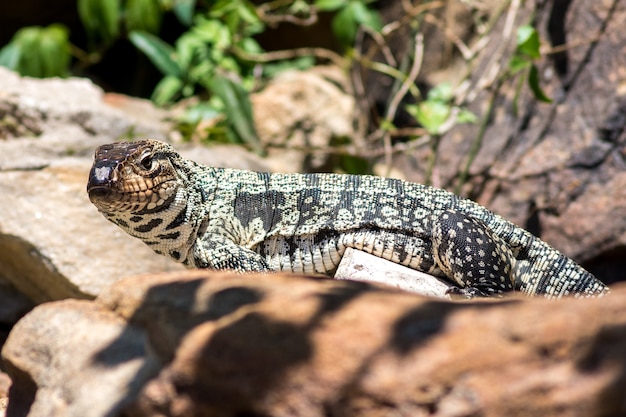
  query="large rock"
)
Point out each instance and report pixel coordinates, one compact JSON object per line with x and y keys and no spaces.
{"x":53,"y":242}
{"x":5,"y":383}
{"x":95,"y":361}
{"x":203,"y":343}
{"x":552,"y":168}
{"x":300,"y":114}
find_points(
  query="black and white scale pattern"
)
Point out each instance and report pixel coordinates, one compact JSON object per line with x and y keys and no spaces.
{"x":220,"y":218}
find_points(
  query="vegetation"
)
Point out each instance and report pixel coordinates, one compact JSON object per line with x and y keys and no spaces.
{"x":218,"y":60}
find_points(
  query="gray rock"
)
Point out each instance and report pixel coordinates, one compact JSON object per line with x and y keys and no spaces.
{"x":53,"y":242}
{"x":299,"y":113}
{"x":61,"y":117}
{"x":543,"y":165}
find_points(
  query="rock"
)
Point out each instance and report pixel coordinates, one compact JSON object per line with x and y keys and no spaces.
{"x":301,"y":111}
{"x":545,"y":166}
{"x":53,"y":242}
{"x":60,"y":117}
{"x":357,"y":265}
{"x":5,"y":385}
{"x":82,"y":360}
{"x":221,"y":344}
{"x":220,"y":155}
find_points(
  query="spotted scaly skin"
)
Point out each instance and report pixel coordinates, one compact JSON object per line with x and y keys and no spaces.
{"x":219,"y":218}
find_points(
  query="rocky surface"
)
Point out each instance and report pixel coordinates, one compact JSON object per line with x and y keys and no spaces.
{"x":53,"y":242}
{"x":556,"y":169}
{"x":5,"y":383}
{"x":299,"y":115}
{"x":202,"y":343}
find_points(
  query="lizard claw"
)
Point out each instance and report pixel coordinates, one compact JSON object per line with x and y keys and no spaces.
{"x":457,"y":293}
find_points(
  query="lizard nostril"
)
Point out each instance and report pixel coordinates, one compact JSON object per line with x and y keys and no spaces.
{"x":102,"y":173}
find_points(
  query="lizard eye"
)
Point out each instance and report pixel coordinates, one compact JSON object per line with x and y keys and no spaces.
{"x":146,"y":161}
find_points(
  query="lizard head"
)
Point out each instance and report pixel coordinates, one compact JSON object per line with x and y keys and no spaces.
{"x":135,"y":177}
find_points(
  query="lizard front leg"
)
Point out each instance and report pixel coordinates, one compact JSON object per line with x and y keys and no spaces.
{"x":214,"y":251}
{"x":469,"y":253}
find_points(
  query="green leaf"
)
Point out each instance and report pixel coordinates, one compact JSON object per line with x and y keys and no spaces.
{"x":347,"y":21}
{"x":466,"y":116}
{"x":518,"y":63}
{"x":441,"y":92}
{"x":355,"y":165}
{"x":253,"y":24}
{"x":387,"y":125}
{"x":528,"y":41}
{"x":100,"y":18}
{"x":10,"y":56}
{"x":38,"y":52}
{"x":167,"y":90}
{"x":344,"y":26}
{"x":199,"y":112}
{"x":533,"y":83}
{"x":143,"y":15}
{"x":223,"y":7}
{"x":54,"y":51}
{"x":330,"y":5}
{"x":184,"y":9}
{"x":238,"y":110}
{"x":160,"y":53}
{"x":250,"y":45}
{"x":27,"y":41}
{"x":191,"y":49}
{"x":430,"y":114}
{"x":215,"y":32}
{"x":270,"y":70}
{"x":365,"y":16}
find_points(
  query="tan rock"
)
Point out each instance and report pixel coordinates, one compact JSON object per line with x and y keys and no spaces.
{"x":53,"y":242}
{"x":74,"y":358}
{"x":300,"y":112}
{"x":348,"y":350}
{"x":280,"y":345}
{"x":5,"y":383}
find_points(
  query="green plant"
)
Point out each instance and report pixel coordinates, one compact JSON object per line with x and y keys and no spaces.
{"x":437,"y":113}
{"x":523,"y":64}
{"x":349,"y":16}
{"x":217,"y":62}
{"x":38,"y":51}
{"x":216,"y":59}
{"x":201,"y":62}
{"x":218,"y":56}
{"x":527,"y":52}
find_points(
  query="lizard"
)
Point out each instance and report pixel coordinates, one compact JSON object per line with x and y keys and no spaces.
{"x":247,"y":221}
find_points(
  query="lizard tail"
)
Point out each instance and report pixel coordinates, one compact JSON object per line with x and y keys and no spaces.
{"x":555,"y":277}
